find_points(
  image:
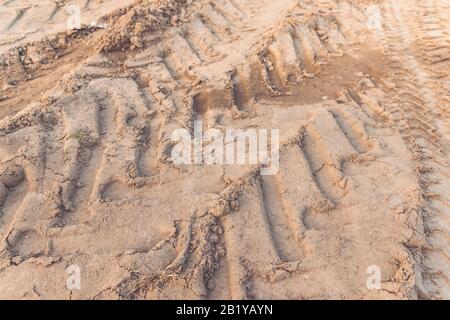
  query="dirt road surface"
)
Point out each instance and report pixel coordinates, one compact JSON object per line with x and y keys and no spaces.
{"x":92,"y":207}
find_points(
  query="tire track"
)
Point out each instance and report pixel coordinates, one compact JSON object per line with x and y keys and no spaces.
{"x":418,"y":105}
{"x":98,"y":154}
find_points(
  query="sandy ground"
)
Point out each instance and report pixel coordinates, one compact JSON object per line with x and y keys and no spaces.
{"x":91,"y":207}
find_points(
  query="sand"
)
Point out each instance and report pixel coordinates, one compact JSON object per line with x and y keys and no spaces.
{"x":92,"y":207}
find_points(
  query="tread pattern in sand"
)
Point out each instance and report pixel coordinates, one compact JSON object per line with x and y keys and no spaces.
{"x":86,"y":176}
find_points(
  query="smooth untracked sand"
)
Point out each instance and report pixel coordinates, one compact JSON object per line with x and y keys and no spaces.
{"x":92,"y":207}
